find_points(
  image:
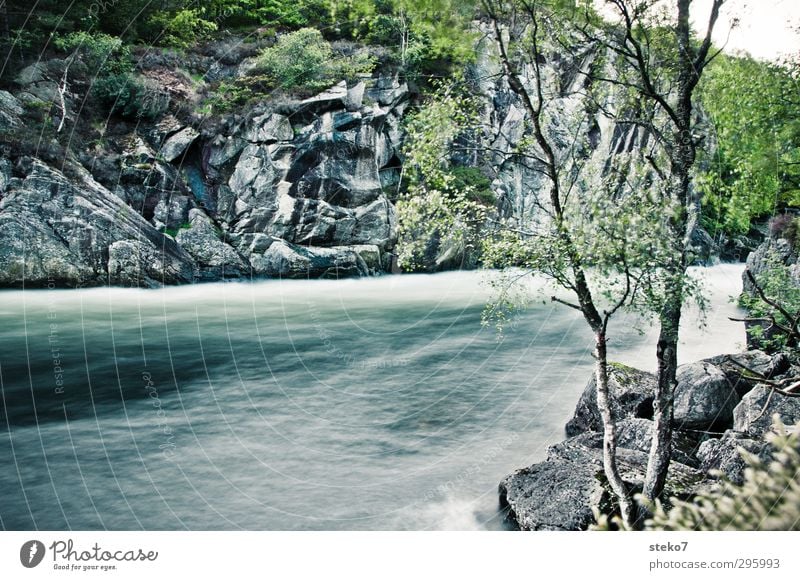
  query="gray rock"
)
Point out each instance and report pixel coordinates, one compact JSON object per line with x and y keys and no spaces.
{"x":177,"y":144}
{"x":60,"y":231}
{"x":283,"y":260}
{"x":753,"y":415}
{"x":10,"y":111}
{"x":333,"y":98}
{"x":724,"y":455}
{"x":735,"y":367}
{"x":140,"y":264}
{"x":355,"y":97}
{"x":637,"y":434}
{"x":560,"y":493}
{"x":554,"y":495}
{"x":631,"y":393}
{"x":704,"y":398}
{"x":269,"y":128}
{"x":225,"y":149}
{"x":216,"y":259}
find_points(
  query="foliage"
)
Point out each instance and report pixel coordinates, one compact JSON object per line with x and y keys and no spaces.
{"x":304,"y":59}
{"x":183,"y":28}
{"x":444,"y":207}
{"x":756,"y":167}
{"x":130,"y":96}
{"x":230,"y":94}
{"x":437,"y":225}
{"x":768,"y":499}
{"x":101,"y":53}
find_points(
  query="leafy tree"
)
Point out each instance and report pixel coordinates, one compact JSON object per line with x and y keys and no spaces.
{"x":756,"y":166}
{"x":661,"y":61}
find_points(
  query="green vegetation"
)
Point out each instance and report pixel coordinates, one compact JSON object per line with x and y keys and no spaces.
{"x":172,"y":232}
{"x":755,"y":169}
{"x":768,"y":499}
{"x":304,"y":59}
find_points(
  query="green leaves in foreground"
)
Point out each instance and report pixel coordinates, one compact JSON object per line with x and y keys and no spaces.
{"x":769,"y":498}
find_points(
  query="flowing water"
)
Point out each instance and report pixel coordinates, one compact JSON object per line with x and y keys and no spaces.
{"x":355,"y":404}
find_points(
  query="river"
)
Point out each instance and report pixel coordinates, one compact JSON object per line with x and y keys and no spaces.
{"x":293,"y":405}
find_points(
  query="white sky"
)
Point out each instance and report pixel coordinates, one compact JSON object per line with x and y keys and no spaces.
{"x":768,"y":29}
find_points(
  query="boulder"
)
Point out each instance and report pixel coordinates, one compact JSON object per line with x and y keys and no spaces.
{"x":723,"y":454}
{"x":62,"y":231}
{"x":268,"y":128}
{"x":10,"y":111}
{"x":637,"y":434}
{"x":561,"y":492}
{"x":333,"y":98}
{"x":137,"y":263}
{"x":631,"y":393}
{"x":176,"y":145}
{"x":704,"y":398}
{"x":284,"y":260}
{"x":753,"y":415}
{"x":735,"y":367}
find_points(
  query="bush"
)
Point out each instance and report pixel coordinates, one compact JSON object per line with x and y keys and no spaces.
{"x":101,"y":53}
{"x":769,"y":498}
{"x":304,"y":59}
{"x":131,"y":97}
{"x":184,"y":28}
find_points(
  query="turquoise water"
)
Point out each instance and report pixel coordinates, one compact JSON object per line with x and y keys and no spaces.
{"x":281,"y":405}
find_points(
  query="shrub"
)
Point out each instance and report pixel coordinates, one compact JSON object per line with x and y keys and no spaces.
{"x":304,"y":59}
{"x":131,"y":97}
{"x":183,"y":28}
{"x":768,"y":499}
{"x":101,"y":53}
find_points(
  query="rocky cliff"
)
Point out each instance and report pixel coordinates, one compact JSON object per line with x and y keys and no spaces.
{"x":284,"y":187}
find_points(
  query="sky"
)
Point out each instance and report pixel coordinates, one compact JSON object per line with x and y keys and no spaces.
{"x":768,"y":29}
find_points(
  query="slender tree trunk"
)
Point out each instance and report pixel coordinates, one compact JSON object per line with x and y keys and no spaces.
{"x":667,"y":355}
{"x":619,"y":487}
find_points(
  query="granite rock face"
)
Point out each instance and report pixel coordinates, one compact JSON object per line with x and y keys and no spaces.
{"x":290,"y":189}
